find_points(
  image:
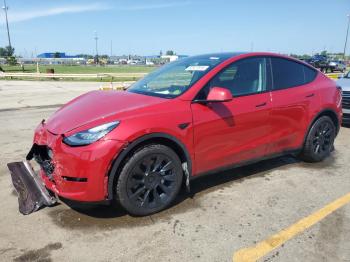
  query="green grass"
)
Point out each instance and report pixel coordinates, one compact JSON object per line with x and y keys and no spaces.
{"x":81,"y":69}
{"x":97,"y":79}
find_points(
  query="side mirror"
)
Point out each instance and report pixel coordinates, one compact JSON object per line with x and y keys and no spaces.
{"x":219,"y":94}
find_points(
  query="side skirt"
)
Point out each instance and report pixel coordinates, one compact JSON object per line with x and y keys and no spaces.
{"x":249,"y":162}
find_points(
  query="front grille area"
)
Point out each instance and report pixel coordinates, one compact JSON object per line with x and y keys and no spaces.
{"x":43,"y":156}
{"x":346,"y":99}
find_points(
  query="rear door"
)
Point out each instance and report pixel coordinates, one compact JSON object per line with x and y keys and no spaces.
{"x":235,"y":131}
{"x":294,"y":97}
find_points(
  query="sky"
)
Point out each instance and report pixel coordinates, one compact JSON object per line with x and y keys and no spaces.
{"x":188,"y":27}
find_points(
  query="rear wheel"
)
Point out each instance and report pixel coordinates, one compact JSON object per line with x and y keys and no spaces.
{"x":319,"y":141}
{"x":150,"y":180}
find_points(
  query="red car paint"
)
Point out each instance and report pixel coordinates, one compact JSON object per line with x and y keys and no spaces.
{"x":216,"y":135}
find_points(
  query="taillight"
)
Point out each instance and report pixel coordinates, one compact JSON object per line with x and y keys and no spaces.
{"x":340,"y":96}
{"x":340,"y":90}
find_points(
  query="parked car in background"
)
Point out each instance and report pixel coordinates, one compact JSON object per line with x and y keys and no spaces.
{"x":337,"y":65}
{"x":190,"y":117}
{"x":319,"y":61}
{"x":344,"y":83}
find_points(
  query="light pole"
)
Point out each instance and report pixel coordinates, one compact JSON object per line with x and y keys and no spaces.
{"x":5,"y":7}
{"x":111,"y":47}
{"x":347,"y":33}
{"x":96,"y":39}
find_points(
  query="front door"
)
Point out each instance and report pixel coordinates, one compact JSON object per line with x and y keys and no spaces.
{"x":226,"y":133}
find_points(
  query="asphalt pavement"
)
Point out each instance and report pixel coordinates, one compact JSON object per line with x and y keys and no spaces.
{"x":225,"y":213}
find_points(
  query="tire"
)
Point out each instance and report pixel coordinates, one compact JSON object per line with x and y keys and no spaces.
{"x":319,"y":141}
{"x":150,"y":180}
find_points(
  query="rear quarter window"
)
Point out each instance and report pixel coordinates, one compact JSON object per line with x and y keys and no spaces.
{"x":309,"y":74}
{"x":287,"y":73}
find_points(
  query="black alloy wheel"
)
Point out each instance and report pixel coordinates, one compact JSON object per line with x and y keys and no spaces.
{"x":319,"y":141}
{"x":150,"y":180}
{"x":323,"y":138}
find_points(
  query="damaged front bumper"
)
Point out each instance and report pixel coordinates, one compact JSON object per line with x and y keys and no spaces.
{"x":75,"y":173}
{"x":32,"y":193}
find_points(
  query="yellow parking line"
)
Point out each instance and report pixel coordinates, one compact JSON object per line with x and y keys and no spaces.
{"x":264,"y":247}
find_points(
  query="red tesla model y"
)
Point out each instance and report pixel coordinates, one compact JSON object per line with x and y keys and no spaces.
{"x":193,"y":116}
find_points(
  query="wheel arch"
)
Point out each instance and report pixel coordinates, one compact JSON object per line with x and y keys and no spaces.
{"x":154,"y":138}
{"x":326,"y":112}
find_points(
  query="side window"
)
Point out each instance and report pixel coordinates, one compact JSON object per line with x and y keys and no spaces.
{"x":309,"y":74}
{"x":287,"y":73}
{"x":244,"y":77}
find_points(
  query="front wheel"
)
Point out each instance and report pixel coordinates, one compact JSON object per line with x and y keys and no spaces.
{"x":319,"y":141}
{"x":150,"y":180}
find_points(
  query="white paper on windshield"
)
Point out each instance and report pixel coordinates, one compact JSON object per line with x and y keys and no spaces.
{"x":197,"y":68}
{"x":166,"y":92}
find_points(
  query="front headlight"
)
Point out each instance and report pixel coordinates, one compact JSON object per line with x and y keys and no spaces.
{"x":91,"y":135}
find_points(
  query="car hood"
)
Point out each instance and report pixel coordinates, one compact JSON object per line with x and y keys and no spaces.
{"x":344,"y":83}
{"x":94,"y":106}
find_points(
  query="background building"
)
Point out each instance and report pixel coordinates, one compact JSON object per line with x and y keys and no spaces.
{"x":56,"y":55}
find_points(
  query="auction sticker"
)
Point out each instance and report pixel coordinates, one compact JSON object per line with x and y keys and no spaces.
{"x":197,"y":68}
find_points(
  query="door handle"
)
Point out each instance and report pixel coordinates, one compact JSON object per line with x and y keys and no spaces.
{"x":311,"y":95}
{"x":260,"y":105}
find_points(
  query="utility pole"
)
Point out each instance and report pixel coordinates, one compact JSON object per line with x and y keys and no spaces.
{"x":96,"y":49}
{"x":5,"y":7}
{"x":111,"y":48}
{"x":346,"y":38}
{"x":251,"y":46}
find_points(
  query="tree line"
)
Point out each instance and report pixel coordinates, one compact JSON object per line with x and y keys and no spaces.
{"x":8,"y":52}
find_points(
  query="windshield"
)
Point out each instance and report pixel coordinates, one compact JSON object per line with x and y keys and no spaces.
{"x":175,"y":78}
